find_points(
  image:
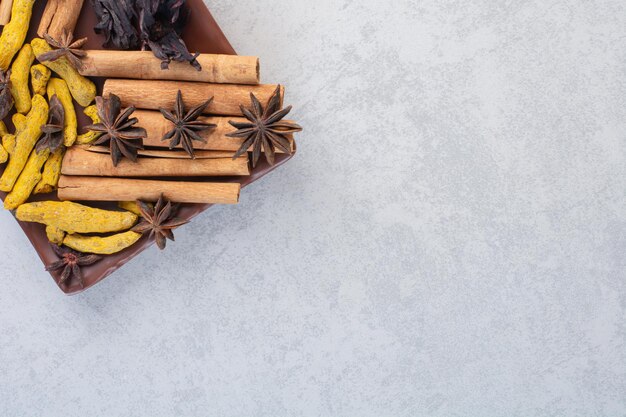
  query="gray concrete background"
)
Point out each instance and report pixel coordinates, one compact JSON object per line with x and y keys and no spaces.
{"x":450,"y":240}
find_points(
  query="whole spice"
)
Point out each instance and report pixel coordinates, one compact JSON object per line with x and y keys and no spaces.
{"x":186,"y":125}
{"x":75,"y":218}
{"x":52,"y":137}
{"x":66,"y":47}
{"x":117,"y":128}
{"x":14,"y":33}
{"x":70,"y":262}
{"x":115,"y":23}
{"x":159,"y":220}
{"x":107,"y":245}
{"x":39,"y":77}
{"x":265,"y":130}
{"x":161,"y":23}
{"x":82,"y":89}
{"x":25,"y":141}
{"x":89,"y":136}
{"x":20,"y":72}
{"x":6,"y":99}
{"x":58,"y":87}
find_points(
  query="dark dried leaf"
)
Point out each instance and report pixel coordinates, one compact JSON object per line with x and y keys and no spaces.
{"x":115,"y":22}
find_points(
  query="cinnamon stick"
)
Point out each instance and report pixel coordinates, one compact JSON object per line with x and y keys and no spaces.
{"x":221,"y":69}
{"x":5,"y":12}
{"x":171,"y":154}
{"x":157,"y":126}
{"x":59,"y":16}
{"x":120,"y":189}
{"x":78,"y":161}
{"x":153,"y":95}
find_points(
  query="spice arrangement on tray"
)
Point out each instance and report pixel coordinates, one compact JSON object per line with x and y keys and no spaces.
{"x":169,"y":127}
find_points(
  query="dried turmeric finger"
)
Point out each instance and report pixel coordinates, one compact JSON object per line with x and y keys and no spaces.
{"x":14,"y":33}
{"x":55,"y":235}
{"x":101,"y":245}
{"x":20,"y":71}
{"x":3,"y":129}
{"x":76,"y":218}
{"x":92,"y":135}
{"x":19,"y":121}
{"x":24,"y":142}
{"x":83,"y":90}
{"x":70,"y":125}
{"x":8,"y":143}
{"x":39,"y":76}
{"x":28,"y":179}
{"x":131,"y":206}
{"x":51,"y":173}
{"x":4,"y":155}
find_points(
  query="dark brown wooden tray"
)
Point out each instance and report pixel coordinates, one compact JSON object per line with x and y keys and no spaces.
{"x":202,"y":34}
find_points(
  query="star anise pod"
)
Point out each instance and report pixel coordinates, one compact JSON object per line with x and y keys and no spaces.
{"x":66,"y":47}
{"x":159,"y":220}
{"x":117,"y":129}
{"x":265,"y":130}
{"x":53,"y":131}
{"x":70,"y":262}
{"x":186,"y":125}
{"x":6,"y":99}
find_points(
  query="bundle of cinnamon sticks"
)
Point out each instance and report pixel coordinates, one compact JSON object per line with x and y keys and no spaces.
{"x":137,"y":78}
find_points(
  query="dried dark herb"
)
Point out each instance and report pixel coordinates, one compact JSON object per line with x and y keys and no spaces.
{"x":160,"y":24}
{"x":118,"y":129}
{"x":159,"y":221}
{"x":66,"y":47}
{"x":146,"y":24}
{"x":115,"y":22}
{"x":70,"y":262}
{"x":6,"y":99}
{"x":265,"y":130}
{"x":186,"y":125}
{"x":52,"y":137}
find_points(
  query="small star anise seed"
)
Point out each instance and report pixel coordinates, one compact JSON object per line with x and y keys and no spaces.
{"x":117,"y":128}
{"x":53,"y":133}
{"x":70,"y":262}
{"x":266,"y":130}
{"x":159,"y":221}
{"x":186,"y":126}
{"x":65,"y":47}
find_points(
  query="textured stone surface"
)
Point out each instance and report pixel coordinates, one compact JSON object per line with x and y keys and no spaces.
{"x":450,"y":241}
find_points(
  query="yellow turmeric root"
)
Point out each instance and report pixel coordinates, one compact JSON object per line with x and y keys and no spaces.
{"x":90,"y":136}
{"x":39,"y":77}
{"x":25,"y":141}
{"x":131,"y":206}
{"x":75,"y":218}
{"x":51,"y":173}
{"x":3,"y":129}
{"x":101,"y":245}
{"x":28,"y":179}
{"x":83,"y":90}
{"x":19,"y":121}
{"x":55,"y":235}
{"x":20,"y":72}
{"x":14,"y":33}
{"x":70,"y":125}
{"x":4,"y":155}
